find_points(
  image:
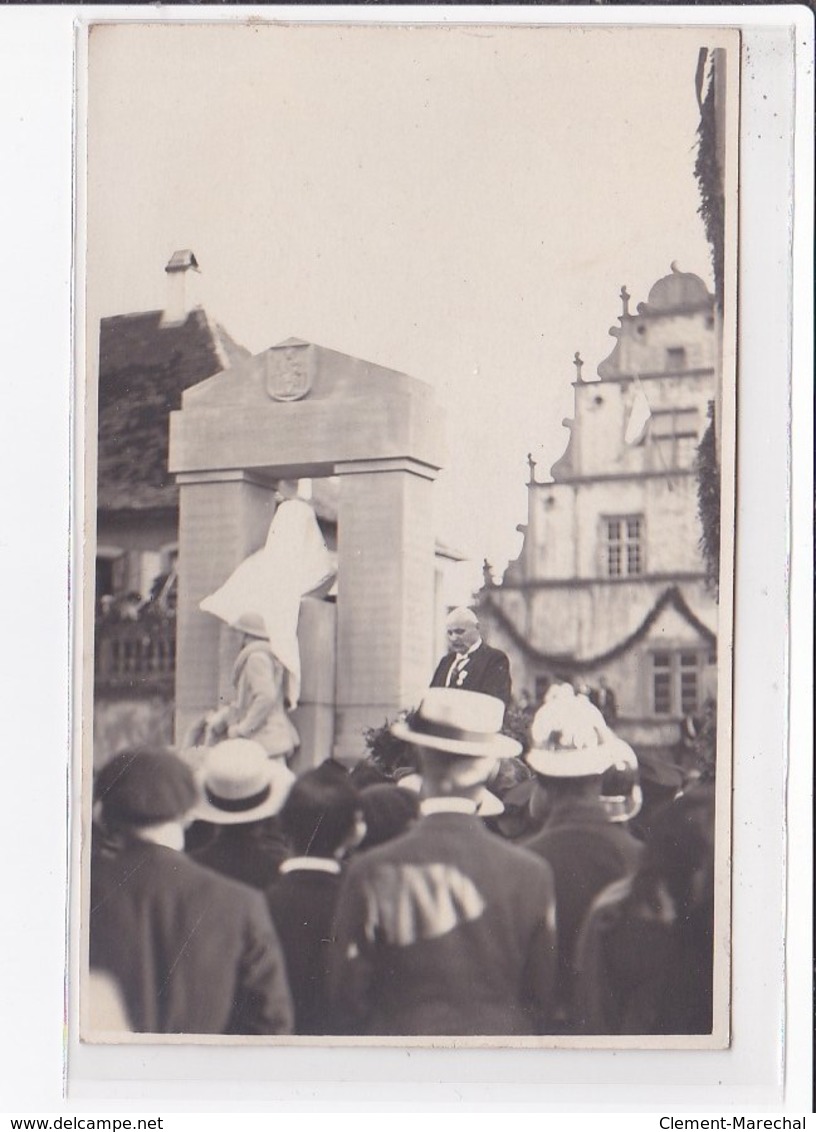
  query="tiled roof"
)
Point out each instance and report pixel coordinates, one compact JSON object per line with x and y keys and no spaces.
{"x":143,"y":369}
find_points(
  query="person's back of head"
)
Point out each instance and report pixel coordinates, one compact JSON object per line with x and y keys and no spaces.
{"x":388,"y":811}
{"x":460,"y":776}
{"x":321,"y":813}
{"x":366,"y":773}
{"x":679,"y":851}
{"x":142,"y":790}
{"x":620,"y":793}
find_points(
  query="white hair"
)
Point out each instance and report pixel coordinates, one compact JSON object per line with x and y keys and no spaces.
{"x":462,"y":616}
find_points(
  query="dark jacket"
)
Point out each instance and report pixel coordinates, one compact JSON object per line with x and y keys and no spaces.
{"x":487,"y":670}
{"x":642,"y":968}
{"x":445,"y":930}
{"x":586,"y":853}
{"x":302,"y":904}
{"x":193,"y":952}
{"x":250,"y":852}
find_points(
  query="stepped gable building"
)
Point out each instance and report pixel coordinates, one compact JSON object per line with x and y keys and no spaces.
{"x":610,"y":581}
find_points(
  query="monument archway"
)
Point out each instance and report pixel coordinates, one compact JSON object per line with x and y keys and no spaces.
{"x":293,"y":411}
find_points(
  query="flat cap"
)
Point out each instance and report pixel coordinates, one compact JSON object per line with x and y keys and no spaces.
{"x":143,"y":787}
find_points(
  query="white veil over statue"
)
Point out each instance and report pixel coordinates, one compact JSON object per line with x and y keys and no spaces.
{"x":271,"y":582}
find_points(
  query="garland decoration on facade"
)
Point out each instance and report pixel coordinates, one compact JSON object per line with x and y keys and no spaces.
{"x":670,"y":597}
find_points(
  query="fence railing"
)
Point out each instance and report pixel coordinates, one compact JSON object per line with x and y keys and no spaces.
{"x":137,"y":656}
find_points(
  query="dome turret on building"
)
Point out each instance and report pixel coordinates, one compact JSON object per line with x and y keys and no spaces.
{"x":680,"y":290}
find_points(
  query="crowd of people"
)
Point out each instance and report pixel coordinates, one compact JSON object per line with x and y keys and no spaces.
{"x":473,"y":886}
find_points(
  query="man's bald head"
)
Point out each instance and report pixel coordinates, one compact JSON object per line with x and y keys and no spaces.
{"x":462,"y":627}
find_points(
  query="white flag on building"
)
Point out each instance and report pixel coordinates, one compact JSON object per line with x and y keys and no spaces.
{"x":639,"y":416}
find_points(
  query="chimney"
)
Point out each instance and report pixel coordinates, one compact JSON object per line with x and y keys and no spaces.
{"x":182,"y":278}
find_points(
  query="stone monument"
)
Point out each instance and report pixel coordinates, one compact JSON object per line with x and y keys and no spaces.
{"x":294,"y":411}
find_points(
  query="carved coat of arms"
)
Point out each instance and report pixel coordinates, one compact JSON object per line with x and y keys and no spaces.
{"x":289,"y":372}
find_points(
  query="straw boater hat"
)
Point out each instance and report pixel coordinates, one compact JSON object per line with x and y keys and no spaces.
{"x":241,"y":784}
{"x":457,"y":722}
{"x":572,"y":740}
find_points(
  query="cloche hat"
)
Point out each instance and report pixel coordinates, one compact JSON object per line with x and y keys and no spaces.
{"x":252,"y":624}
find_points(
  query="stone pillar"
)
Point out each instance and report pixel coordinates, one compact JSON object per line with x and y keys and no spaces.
{"x":223,"y":517}
{"x":385,"y":602}
{"x":314,"y":717}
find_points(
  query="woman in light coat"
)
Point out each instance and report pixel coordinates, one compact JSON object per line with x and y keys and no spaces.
{"x":259,"y":709}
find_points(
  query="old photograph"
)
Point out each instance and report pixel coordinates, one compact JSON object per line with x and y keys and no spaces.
{"x":408,"y":480}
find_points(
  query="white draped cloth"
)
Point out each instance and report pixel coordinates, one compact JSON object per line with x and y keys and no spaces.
{"x":271,"y":582}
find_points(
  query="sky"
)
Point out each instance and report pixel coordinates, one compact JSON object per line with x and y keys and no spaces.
{"x":462,"y":204}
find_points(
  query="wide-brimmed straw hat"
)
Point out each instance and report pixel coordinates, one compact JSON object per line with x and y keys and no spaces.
{"x":457,"y":722}
{"x":240,"y":783}
{"x":571,"y":739}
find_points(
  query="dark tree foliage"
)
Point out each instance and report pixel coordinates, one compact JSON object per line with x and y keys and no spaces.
{"x":712,"y":209}
{"x":709,"y":178}
{"x":708,"y":503}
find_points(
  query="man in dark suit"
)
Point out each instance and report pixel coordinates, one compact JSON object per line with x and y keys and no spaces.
{"x":192,"y":952}
{"x":447,"y":929}
{"x":472,"y":665}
